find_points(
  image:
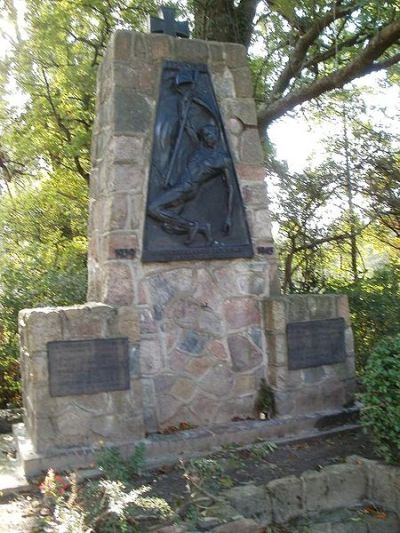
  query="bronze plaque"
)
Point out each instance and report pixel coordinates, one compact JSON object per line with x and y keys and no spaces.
{"x":194,"y":206}
{"x":88,"y":366}
{"x":315,"y":343}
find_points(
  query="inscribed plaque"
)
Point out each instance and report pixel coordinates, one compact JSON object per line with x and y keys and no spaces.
{"x":88,"y":366}
{"x":315,"y":343}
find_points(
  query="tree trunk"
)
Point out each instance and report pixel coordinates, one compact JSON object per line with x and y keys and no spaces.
{"x":220,"y":20}
{"x":350,"y":203}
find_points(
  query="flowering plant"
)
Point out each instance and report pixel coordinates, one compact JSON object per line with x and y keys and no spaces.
{"x":54,"y":485}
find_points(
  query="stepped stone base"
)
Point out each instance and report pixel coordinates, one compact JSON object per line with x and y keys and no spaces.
{"x":167,"y":449}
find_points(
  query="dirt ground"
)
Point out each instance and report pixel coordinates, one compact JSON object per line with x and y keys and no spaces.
{"x":259,"y":464}
{"x":230,"y":467}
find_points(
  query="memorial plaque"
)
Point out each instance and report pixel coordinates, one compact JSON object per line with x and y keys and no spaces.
{"x":88,"y":366}
{"x":194,"y":205}
{"x":315,"y":343}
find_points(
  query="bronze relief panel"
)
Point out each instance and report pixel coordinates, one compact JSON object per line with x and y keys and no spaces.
{"x":194,"y":206}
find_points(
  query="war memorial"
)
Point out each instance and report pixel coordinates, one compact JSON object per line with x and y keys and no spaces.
{"x":185,"y":318}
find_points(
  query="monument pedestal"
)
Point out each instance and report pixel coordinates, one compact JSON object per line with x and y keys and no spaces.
{"x":196,"y":334}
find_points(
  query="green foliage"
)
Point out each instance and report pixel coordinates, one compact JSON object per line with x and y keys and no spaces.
{"x":43,"y":249}
{"x":106,"y":506}
{"x":375,"y":308}
{"x":381,"y":399}
{"x":206,"y":468}
{"x":261,"y":451}
{"x":265,"y":401}
{"x":115,"y":468}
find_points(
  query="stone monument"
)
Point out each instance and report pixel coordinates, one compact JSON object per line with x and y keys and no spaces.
{"x":185,"y":314}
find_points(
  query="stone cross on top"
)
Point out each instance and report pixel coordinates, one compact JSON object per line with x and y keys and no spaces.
{"x":167,"y":24}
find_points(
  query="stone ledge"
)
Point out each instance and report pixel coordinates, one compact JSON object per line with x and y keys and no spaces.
{"x":167,"y":449}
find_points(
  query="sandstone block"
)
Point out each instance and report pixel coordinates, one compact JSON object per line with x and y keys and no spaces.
{"x":218,"y":351}
{"x":216,"y":51}
{"x":126,"y":177}
{"x":86,"y":321}
{"x":236,"y":55}
{"x":278,"y":376}
{"x":245,"y":384}
{"x":129,"y":149}
{"x":384,"y":486}
{"x":116,"y":212}
{"x":167,"y":408}
{"x":256,"y":195}
{"x":243,"y":109}
{"x":166,"y":285}
{"x":277,"y":349}
{"x":127,"y":323}
{"x":116,"y":427}
{"x":241,"y":312}
{"x":262,"y":224}
{"x":115,"y":241}
{"x":36,"y":369}
{"x":183,"y":389}
{"x":275,"y":315}
{"x":347,"y":486}
{"x":218,"y":381}
{"x":349,"y":341}
{"x":297,"y":308}
{"x":250,"y":147}
{"x":235,"y":126}
{"x":314,"y":375}
{"x":223,"y":83}
{"x":244,"y":525}
{"x":122,"y":45}
{"x":249,"y":500}
{"x":117,"y":283}
{"x":193,"y":50}
{"x":244,"y":355}
{"x":315,"y":489}
{"x":150,"y":356}
{"x":196,"y":367}
{"x":249,"y":172}
{"x":342,"y":308}
{"x":243,"y":82}
{"x":321,"y":306}
{"x":287,"y":500}
{"x":148,"y":324}
{"x":140,"y":46}
{"x":125,"y":76}
{"x":132,"y":111}
{"x":161,"y":46}
{"x":251,"y":283}
{"x":40,"y":326}
{"x":193,"y":342}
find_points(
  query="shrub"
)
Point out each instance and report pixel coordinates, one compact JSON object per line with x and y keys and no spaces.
{"x":381,"y":398}
{"x":375,"y":308}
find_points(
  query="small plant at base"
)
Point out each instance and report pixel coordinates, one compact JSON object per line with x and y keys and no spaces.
{"x":122,"y":510}
{"x":265,"y":401}
{"x":62,"y":514}
{"x":260,"y":451}
{"x":206,"y":468}
{"x":53,"y":486}
{"x":116,"y":468}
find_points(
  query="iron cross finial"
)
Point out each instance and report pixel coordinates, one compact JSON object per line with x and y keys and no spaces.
{"x":167,"y":24}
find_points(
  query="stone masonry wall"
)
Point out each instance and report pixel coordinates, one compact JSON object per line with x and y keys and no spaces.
{"x":202,"y":342}
{"x":309,"y":389}
{"x":358,"y":482}
{"x":86,"y":419}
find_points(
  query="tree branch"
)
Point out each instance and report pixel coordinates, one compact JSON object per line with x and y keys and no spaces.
{"x":295,"y":63}
{"x":364,"y":63}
